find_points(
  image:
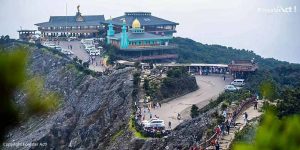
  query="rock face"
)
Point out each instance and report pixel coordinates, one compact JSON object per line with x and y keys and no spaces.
{"x":93,"y":108}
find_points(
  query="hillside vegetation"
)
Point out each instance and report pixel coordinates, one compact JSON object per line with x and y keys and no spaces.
{"x":190,"y":51}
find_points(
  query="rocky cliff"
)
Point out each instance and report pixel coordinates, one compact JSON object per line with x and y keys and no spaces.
{"x":93,"y":109}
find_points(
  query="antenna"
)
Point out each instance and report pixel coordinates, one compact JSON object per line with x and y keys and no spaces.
{"x":66,"y":18}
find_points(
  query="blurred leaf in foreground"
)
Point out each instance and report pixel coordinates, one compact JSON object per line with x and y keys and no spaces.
{"x":275,"y":134}
{"x":12,"y":75}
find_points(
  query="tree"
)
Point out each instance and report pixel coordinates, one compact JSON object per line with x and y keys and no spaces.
{"x":275,"y":134}
{"x":146,"y":84}
{"x":290,"y":103}
{"x":137,"y":65}
{"x":194,"y":111}
{"x":86,"y":64}
{"x":268,"y":89}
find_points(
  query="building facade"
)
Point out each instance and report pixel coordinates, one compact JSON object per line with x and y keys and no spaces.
{"x":72,"y":26}
{"x":139,"y":45}
{"x":149,"y":23}
{"x":242,"y":68}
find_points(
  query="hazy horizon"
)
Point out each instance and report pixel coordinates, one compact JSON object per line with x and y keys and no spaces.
{"x":251,"y":25}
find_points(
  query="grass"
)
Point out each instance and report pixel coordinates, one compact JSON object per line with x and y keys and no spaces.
{"x":136,"y":133}
{"x":118,"y":134}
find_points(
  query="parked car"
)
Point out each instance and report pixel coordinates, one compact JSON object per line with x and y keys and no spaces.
{"x":238,"y":82}
{"x":88,"y":49}
{"x":154,"y":122}
{"x":145,"y":123}
{"x":67,"y":52}
{"x":230,"y":88}
{"x":157,"y":123}
{"x":58,"y":48}
{"x":94,"y":52}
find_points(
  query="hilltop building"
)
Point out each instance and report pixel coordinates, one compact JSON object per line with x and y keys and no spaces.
{"x":26,"y":35}
{"x":72,"y":26}
{"x":140,"y":45}
{"x":149,"y":23}
{"x":242,"y":68}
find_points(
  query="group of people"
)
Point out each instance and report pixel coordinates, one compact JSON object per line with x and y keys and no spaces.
{"x":70,"y":47}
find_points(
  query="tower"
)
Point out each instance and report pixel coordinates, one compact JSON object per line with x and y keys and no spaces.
{"x":110,"y":31}
{"x":124,"y":36}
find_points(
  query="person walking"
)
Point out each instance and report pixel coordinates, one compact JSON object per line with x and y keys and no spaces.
{"x":228,"y":126}
{"x":178,"y":116}
{"x":170,"y":124}
{"x":245,"y":117}
{"x":255,"y":104}
{"x":217,"y":146}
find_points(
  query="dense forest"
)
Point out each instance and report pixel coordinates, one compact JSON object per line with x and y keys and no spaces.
{"x":190,"y":51}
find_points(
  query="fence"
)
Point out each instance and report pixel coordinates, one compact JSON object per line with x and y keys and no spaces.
{"x":236,"y":113}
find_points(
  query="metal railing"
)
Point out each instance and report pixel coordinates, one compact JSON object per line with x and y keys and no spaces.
{"x":237,"y":112}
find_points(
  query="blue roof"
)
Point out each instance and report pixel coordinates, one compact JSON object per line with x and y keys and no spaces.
{"x":56,"y":21}
{"x":145,"y":18}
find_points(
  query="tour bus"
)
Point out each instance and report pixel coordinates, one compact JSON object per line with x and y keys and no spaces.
{"x":238,"y":82}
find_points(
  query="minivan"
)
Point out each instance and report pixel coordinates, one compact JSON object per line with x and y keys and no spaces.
{"x":238,"y":82}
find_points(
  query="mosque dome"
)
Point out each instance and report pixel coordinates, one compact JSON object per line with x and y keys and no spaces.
{"x":136,"y":24}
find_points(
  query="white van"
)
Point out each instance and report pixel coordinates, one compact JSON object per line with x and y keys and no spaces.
{"x":238,"y":82}
{"x":94,"y":52}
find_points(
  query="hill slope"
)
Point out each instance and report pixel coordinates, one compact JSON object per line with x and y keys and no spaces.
{"x":190,"y":51}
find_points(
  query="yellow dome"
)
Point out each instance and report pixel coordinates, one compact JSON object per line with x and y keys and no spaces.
{"x":136,"y":24}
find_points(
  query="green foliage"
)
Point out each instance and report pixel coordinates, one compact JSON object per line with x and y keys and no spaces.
{"x":190,"y":51}
{"x":137,"y":65}
{"x":290,"y":103}
{"x":85,"y":65}
{"x":194,"y":111}
{"x":12,"y":75}
{"x":177,"y":72}
{"x":39,"y":101}
{"x":247,"y":134}
{"x":268,"y":89}
{"x":111,"y":53}
{"x":175,"y":86}
{"x":146,"y":84}
{"x":136,"y":78}
{"x":75,"y":59}
{"x":224,"y":105}
{"x":132,"y":128}
{"x":80,"y":61}
{"x":227,"y":97}
{"x":4,"y":39}
{"x":275,"y":134}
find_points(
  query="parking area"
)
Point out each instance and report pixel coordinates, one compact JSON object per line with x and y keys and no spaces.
{"x":78,"y":49}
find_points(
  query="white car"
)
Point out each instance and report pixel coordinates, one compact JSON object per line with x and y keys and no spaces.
{"x":94,"y":52}
{"x":58,"y":48}
{"x":238,"y":82}
{"x":67,"y":52}
{"x":51,"y":45}
{"x":157,"y":123}
{"x":88,"y":49}
{"x":230,"y":88}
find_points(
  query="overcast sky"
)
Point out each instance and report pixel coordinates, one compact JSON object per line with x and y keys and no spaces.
{"x":236,"y":23}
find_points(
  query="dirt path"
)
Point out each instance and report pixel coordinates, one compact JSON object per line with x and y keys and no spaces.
{"x":210,"y":87}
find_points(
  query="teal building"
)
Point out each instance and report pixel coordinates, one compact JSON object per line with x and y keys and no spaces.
{"x":138,"y":45}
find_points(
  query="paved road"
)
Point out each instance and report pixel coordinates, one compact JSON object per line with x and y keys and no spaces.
{"x":79,"y":51}
{"x":210,"y":88}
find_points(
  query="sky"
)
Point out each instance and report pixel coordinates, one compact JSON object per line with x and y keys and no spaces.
{"x":271,"y":28}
